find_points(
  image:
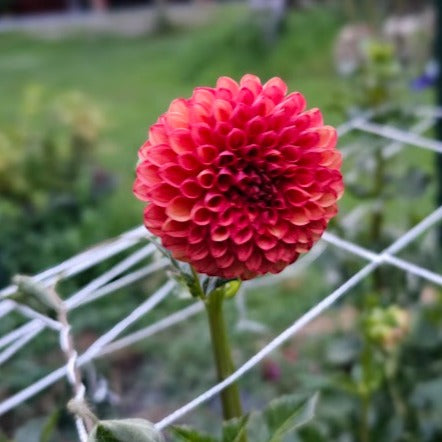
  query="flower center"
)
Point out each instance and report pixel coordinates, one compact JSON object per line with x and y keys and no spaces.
{"x":254,"y":186}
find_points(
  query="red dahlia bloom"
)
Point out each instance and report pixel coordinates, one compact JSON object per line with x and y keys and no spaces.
{"x":240,"y":178}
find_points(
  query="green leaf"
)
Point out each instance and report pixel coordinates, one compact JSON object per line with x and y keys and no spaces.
{"x":105,"y":435}
{"x":287,"y":414}
{"x":125,"y":430}
{"x":257,"y":430}
{"x":28,"y":288}
{"x":49,"y":427}
{"x":188,"y":434}
{"x":234,"y":429}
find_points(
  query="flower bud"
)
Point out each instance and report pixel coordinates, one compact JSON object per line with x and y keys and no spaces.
{"x":387,"y":327}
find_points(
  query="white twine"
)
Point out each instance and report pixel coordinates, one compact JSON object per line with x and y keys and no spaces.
{"x":6,"y":307}
{"x":79,"y":297}
{"x":72,"y":374}
{"x":412,"y":234}
{"x":86,"y":357}
{"x":17,"y":345}
{"x":24,"y":329}
{"x":86,"y":295}
{"x":374,"y":257}
{"x":33,"y":314}
{"x":399,"y":135}
{"x":86,"y":259}
{"x":43,"y":383}
{"x":349,"y":125}
{"x":136,"y":314}
{"x":428,"y":111}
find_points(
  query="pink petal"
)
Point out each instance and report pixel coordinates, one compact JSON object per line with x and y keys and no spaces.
{"x":228,"y":83}
{"x":141,"y":190}
{"x":206,"y":178}
{"x":207,"y":153}
{"x":244,"y":251}
{"x":225,"y":261}
{"x":202,"y":133}
{"x":190,"y":188}
{"x":179,"y":209}
{"x":181,"y":141}
{"x":235,"y":139}
{"x":266,"y":242}
{"x":180,"y":105}
{"x":254,"y":261}
{"x":251,"y":82}
{"x":241,"y":236}
{"x":175,"y":120}
{"x":222,"y":110}
{"x":148,"y":173}
{"x":219,"y":233}
{"x":154,"y":216}
{"x":298,"y":216}
{"x":197,"y":251}
{"x":161,"y":154}
{"x":157,"y":134}
{"x":296,"y":196}
{"x":189,"y":161}
{"x":162,"y":194}
{"x":173,"y":174}
{"x":218,"y":249}
{"x":214,"y":201}
{"x":201,"y":215}
{"x":204,"y":96}
{"x":176,"y":229}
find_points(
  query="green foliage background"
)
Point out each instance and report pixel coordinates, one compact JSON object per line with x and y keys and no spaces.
{"x":133,"y":80}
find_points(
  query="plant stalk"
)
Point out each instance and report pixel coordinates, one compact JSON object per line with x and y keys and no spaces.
{"x":377,"y":219}
{"x":230,"y":398}
{"x":364,"y":429}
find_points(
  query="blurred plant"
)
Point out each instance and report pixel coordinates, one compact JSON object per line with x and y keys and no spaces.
{"x":374,"y":376}
{"x":379,"y":75}
{"x":48,"y":175}
{"x":386,"y":327}
{"x":280,"y":420}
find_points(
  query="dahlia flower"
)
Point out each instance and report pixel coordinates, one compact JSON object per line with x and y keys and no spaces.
{"x":240,"y":179}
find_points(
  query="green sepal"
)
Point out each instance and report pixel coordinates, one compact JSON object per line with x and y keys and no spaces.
{"x":228,"y":289}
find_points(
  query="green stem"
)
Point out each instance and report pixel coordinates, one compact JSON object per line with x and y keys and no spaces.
{"x":390,"y":374}
{"x":230,"y":398}
{"x":364,"y":426}
{"x":365,"y":395}
{"x":377,"y":219}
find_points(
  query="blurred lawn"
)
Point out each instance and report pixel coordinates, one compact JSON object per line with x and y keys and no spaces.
{"x":134,"y":79}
